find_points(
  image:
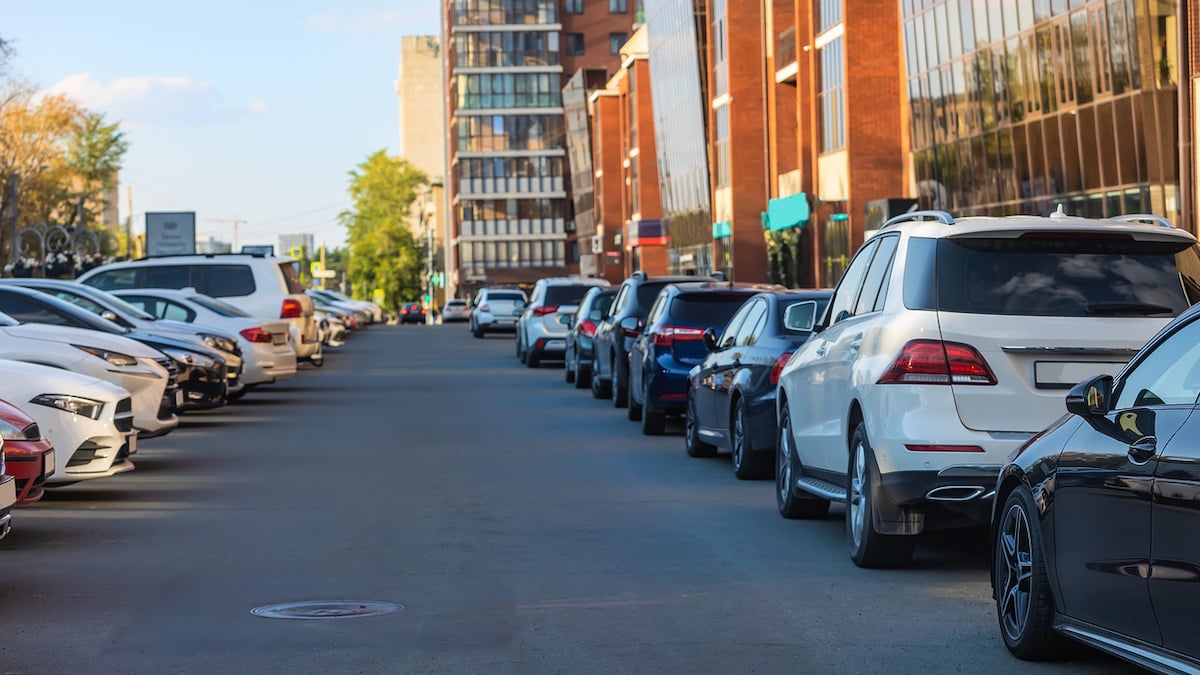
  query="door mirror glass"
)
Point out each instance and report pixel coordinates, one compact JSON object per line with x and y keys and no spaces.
{"x":631,"y":325}
{"x":801,"y":316}
{"x":1090,"y":398}
{"x":519,"y":304}
{"x":110,"y":316}
{"x":565,"y":319}
{"x":710,"y":339}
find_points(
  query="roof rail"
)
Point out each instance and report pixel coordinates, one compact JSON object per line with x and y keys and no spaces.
{"x":940,"y":216}
{"x":638,"y":274}
{"x":197,"y":255}
{"x":1145,"y":218}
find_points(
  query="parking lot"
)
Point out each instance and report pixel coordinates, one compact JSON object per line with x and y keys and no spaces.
{"x":523,"y":526}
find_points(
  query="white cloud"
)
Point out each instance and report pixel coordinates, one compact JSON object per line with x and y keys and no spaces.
{"x":153,"y":99}
{"x":258,"y":106}
{"x":366,"y":21}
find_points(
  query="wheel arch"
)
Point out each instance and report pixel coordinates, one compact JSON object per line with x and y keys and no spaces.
{"x":853,"y":417}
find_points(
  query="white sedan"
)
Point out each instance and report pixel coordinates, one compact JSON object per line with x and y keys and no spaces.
{"x":129,"y":364}
{"x":267,"y":353}
{"x":88,"y":421}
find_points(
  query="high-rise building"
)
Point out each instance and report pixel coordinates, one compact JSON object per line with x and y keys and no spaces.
{"x":289,"y":242}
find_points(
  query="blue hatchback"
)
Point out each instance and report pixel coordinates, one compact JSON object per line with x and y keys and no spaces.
{"x":671,"y":343}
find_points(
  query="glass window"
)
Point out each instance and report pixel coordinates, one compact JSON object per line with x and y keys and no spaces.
{"x":875,"y":285}
{"x":170,"y":276}
{"x":707,"y":309}
{"x":26,"y":311}
{"x":831,"y":97}
{"x":117,"y":279}
{"x":1168,"y":375}
{"x":615,"y":40}
{"x":618,"y":6}
{"x":565,"y":295}
{"x":218,"y":306}
{"x":176,"y":312}
{"x":574,"y":7}
{"x":227,"y":281}
{"x":829,"y":14}
{"x":728,"y":335}
{"x":756,"y":320}
{"x":845,"y":298}
{"x":575,"y":44}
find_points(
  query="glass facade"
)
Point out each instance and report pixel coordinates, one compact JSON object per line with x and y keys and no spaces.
{"x":485,"y":91}
{"x":490,"y":49}
{"x":579,"y":148}
{"x":482,"y":133}
{"x":504,"y":12}
{"x":679,"y":102}
{"x":1021,"y":105}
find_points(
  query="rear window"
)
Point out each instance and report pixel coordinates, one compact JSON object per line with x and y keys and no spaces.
{"x":456,"y":303}
{"x":504,"y":295}
{"x":646,"y":293}
{"x":290,"y":277}
{"x":707,"y":309}
{"x":170,"y":276}
{"x":1054,"y":276}
{"x":565,"y":295}
{"x":115,"y":279}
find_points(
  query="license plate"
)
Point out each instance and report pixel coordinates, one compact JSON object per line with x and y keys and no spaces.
{"x":1064,"y":374}
{"x":8,"y":492}
{"x":178,"y":398}
{"x":48,"y":463}
{"x":279,"y":339}
{"x":556,"y":344}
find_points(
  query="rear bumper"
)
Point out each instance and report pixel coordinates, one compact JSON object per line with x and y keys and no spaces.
{"x":963,"y":492}
{"x":667,"y":385}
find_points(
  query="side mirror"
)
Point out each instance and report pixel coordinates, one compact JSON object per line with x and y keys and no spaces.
{"x":110,"y":316}
{"x":519,"y":304}
{"x":801,"y":316}
{"x":1090,"y":398}
{"x":710,"y":339}
{"x":565,"y":319}
{"x":631,"y":326}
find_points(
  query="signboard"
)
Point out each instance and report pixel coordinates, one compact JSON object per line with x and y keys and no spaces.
{"x":170,"y":233}
{"x":263,"y":249}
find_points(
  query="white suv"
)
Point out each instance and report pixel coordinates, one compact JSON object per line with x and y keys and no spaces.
{"x":496,"y":309}
{"x":950,"y":343}
{"x":542,"y":328}
{"x":266,"y":287}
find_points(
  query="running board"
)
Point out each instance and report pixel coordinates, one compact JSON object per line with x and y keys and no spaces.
{"x":821,"y":489}
{"x":1147,"y":656}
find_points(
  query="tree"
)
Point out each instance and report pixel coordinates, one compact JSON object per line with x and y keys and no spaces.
{"x":94,"y":153}
{"x":383,"y":253}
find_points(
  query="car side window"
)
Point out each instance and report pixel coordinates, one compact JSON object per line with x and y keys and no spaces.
{"x":875,"y":284}
{"x":169,"y":276}
{"x":226,"y":281}
{"x":841,"y":307}
{"x":26,"y":311}
{"x":116,"y":279}
{"x":728,"y":337}
{"x":78,"y":301}
{"x":1168,"y":375}
{"x":655,"y":310}
{"x":619,"y":302}
{"x":176,"y":312}
{"x":752,"y":326}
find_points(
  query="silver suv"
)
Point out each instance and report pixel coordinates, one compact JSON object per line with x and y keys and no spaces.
{"x":542,"y":328}
{"x":494,"y":309}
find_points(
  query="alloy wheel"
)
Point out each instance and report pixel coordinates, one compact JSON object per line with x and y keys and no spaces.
{"x":857,"y":501}
{"x":739,"y":438}
{"x":689,"y":423}
{"x":1016,"y":554}
{"x":783,"y":462}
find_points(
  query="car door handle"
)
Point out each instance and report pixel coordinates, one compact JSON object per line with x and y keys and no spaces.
{"x":1143,"y":450}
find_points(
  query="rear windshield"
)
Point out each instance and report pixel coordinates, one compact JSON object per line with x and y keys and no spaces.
{"x":707,"y":309}
{"x":565,"y":295}
{"x":222,"y":308}
{"x":646,"y":293}
{"x":1051,"y":276}
{"x":504,"y":295}
{"x":456,"y":303}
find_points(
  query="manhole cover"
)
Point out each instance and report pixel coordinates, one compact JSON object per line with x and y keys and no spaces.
{"x":326,"y":609}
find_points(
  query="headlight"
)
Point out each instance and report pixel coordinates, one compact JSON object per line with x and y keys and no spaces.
{"x":10,"y":432}
{"x":115,"y":358}
{"x":74,"y":404}
{"x":190,"y":358}
{"x":218,"y":342}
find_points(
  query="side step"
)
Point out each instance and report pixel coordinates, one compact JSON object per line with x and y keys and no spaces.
{"x":821,"y":489}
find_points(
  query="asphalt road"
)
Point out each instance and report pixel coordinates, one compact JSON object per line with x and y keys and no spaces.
{"x":523,"y":526}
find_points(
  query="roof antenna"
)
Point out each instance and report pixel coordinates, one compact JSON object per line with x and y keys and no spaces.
{"x":1059,"y":212}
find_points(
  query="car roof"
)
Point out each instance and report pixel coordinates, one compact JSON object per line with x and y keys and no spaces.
{"x":1144,"y":228}
{"x":572,"y":281}
{"x":716,"y":286}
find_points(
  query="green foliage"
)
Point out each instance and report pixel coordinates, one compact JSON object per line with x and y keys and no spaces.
{"x":383,"y":254}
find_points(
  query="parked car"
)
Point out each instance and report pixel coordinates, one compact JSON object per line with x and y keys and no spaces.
{"x":265,"y":345}
{"x":496,"y":309}
{"x":201,"y":373}
{"x":1094,"y":531}
{"x":731,"y":394}
{"x":582,"y":327}
{"x":8,"y":496}
{"x":616,"y":332}
{"x":330,"y":329}
{"x":412,"y":312}
{"x":29,"y":457}
{"x":363,"y":315}
{"x":542,"y":326}
{"x":455,"y":310}
{"x":89,"y":422}
{"x":147,"y":374}
{"x":374,"y":311}
{"x":351,"y":319}
{"x":946,"y":345}
{"x":267,"y":287}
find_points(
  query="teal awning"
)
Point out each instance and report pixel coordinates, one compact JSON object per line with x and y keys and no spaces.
{"x":786,"y":212}
{"x":722,"y":230}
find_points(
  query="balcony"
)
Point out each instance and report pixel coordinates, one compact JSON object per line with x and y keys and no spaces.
{"x":785,"y":57}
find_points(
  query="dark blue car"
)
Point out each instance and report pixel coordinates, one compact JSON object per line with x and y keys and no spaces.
{"x":672,"y":343}
{"x":731,"y":397}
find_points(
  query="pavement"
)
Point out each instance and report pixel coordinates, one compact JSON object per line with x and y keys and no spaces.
{"x":523,"y":526}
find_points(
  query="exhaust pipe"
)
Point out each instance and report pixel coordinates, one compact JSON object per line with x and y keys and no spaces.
{"x":955,"y":493}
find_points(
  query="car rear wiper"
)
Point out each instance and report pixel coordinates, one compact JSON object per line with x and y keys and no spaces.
{"x":1127,"y":309}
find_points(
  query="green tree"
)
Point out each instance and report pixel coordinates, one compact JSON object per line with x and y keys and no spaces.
{"x":384,"y":255}
{"x":95,"y":152}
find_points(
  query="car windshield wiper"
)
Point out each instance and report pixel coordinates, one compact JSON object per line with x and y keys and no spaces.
{"x":1127,"y":309}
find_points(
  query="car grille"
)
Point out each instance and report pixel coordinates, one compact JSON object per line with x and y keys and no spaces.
{"x":86,"y":454}
{"x":172,"y":375}
{"x":124,"y":415}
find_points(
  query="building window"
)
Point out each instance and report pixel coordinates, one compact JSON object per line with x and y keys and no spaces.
{"x":615,"y":40}
{"x":618,"y":6}
{"x":722,"y":146}
{"x":575,"y":44}
{"x":574,"y":6}
{"x":829,"y":15}
{"x":831,"y":99}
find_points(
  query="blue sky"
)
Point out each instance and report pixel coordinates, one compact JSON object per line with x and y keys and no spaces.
{"x":255,"y":109}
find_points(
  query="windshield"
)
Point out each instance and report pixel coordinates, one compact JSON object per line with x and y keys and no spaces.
{"x":217,"y":306}
{"x":707,"y":309}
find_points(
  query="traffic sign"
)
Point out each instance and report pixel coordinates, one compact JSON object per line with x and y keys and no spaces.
{"x":324,"y":274}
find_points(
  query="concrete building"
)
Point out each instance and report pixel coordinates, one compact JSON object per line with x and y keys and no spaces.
{"x":207,"y":243}
{"x":303,"y":240}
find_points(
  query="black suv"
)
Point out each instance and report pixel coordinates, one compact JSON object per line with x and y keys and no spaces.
{"x":616,"y":333}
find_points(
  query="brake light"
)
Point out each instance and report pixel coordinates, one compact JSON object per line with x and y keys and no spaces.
{"x":292,"y":309}
{"x":587,"y":327}
{"x":667,"y":336}
{"x":778,"y":367}
{"x":937,"y":362}
{"x":256,"y":334}
{"x":544,"y":310}
{"x":404,"y":310}
{"x":484,"y":308}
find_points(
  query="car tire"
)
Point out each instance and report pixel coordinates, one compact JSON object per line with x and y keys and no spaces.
{"x":747,"y":463}
{"x":476,"y":331}
{"x":533,"y":359}
{"x":568,"y":369}
{"x":520,"y":352}
{"x":620,"y":394}
{"x":600,"y":389}
{"x":654,"y":422}
{"x":792,"y":502}
{"x":691,"y":433}
{"x":1019,"y":572}
{"x":583,"y":375}
{"x":634,"y":409}
{"x":868,"y":547}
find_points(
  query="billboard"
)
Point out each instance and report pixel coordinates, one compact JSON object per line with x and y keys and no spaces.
{"x":170,"y":233}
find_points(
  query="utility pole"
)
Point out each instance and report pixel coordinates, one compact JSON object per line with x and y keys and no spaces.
{"x":128,"y":222}
{"x":233,"y":248}
{"x":323,"y":265}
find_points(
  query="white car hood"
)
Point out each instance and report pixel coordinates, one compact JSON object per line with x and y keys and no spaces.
{"x":80,"y":336}
{"x":22,"y":381}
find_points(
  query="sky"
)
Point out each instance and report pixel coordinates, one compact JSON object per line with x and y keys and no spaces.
{"x":254,"y":109}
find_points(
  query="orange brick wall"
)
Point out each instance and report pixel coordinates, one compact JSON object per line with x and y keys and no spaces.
{"x":596,"y":23}
{"x":606,"y":158}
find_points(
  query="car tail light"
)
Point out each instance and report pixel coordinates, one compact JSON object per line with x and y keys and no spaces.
{"x":778,"y":367}
{"x":937,"y":362}
{"x":485,"y":308}
{"x":256,"y":334}
{"x":404,"y":310}
{"x":292,"y":309}
{"x":587,"y":327}
{"x":667,"y":336}
{"x":544,"y":310}
{"x":943,"y":448}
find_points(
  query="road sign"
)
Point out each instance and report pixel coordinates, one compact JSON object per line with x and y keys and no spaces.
{"x":314,"y":268}
{"x":324,"y":274}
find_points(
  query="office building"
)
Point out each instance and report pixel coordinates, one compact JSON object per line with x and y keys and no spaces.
{"x":289,"y":243}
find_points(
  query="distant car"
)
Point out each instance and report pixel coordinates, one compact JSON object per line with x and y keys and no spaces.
{"x":542,"y":327}
{"x":496,"y":309}
{"x":1094,"y":530}
{"x":671,"y":343}
{"x":731,"y":395}
{"x":580,"y":331}
{"x":28,"y":455}
{"x":456,"y":310}
{"x":412,"y":312}
{"x":363,"y":313}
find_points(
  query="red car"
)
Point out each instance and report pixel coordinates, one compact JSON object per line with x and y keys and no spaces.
{"x":29,"y":457}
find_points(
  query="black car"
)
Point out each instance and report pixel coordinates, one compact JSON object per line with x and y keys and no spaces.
{"x":617,"y":331}
{"x":412,"y":312}
{"x":731,"y":395}
{"x":592,"y":310}
{"x":1096,"y":520}
{"x":201,"y":373}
